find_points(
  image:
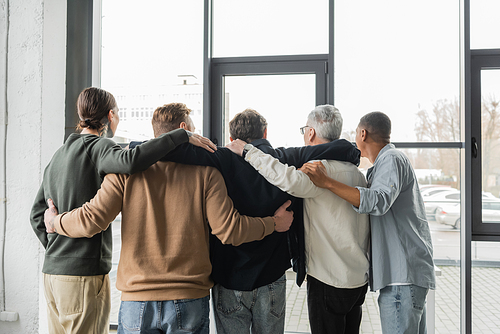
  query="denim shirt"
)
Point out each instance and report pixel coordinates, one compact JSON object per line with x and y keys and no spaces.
{"x":400,"y":235}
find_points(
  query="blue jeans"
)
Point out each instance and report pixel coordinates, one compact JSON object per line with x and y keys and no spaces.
{"x":259,"y":311}
{"x":169,"y":317}
{"x":402,"y":309}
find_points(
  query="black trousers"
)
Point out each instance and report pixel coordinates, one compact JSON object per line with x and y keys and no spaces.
{"x":334,"y":310}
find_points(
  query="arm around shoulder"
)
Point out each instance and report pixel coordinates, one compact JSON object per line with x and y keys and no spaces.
{"x":111,"y":158}
{"x":94,"y":216}
{"x":385,"y":187}
{"x":226,"y":222}
{"x":317,"y":172}
{"x":340,"y":149}
{"x":285,"y":177}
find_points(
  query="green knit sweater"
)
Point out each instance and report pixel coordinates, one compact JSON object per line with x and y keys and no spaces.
{"x":71,"y":179}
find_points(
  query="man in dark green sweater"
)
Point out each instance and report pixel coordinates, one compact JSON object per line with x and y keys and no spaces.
{"x":76,"y":271}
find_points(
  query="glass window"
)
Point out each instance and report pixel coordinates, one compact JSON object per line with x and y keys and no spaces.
{"x":264,"y":28}
{"x":284,"y":100}
{"x":433,"y":192}
{"x":152,"y":54}
{"x":490,"y":144}
{"x":484,"y":24}
{"x":491,"y":206}
{"x":453,"y":196}
{"x":401,"y":58}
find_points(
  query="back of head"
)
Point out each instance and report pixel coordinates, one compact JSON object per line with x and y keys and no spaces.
{"x":326,"y":121}
{"x":248,"y":126}
{"x":93,"y":106}
{"x":169,"y":117}
{"x":378,"y":126}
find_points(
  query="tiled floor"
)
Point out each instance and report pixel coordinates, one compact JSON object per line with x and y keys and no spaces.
{"x":486,"y":302}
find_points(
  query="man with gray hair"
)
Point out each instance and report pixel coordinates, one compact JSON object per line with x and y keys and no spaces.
{"x":336,"y":237}
{"x":402,"y":267}
{"x":325,"y":122}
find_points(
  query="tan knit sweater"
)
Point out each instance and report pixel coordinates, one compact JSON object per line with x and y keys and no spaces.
{"x":165,"y":252}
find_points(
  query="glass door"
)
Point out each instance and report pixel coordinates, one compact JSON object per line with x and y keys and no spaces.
{"x":284,"y":89}
{"x":485,"y":250}
{"x":284,"y":100}
{"x":486,"y":145}
{"x":490,"y":146}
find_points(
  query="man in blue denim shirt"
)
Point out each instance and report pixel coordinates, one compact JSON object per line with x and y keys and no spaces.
{"x":401,"y":266}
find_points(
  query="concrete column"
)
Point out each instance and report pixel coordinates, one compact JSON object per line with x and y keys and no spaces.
{"x":35,"y":104}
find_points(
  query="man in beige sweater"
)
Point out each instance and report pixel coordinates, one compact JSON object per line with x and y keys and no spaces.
{"x":164,"y":268}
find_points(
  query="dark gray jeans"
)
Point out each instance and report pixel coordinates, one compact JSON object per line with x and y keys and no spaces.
{"x":260,"y":311}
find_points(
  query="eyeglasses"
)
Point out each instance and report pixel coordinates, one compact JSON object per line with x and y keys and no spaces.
{"x":303,"y":129}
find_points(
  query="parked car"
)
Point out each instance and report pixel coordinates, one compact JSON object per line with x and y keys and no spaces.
{"x":449,"y":214}
{"x":491,"y":210}
{"x":432,"y":202}
{"x":429,"y":190}
{"x":487,"y":194}
{"x":447,"y":196}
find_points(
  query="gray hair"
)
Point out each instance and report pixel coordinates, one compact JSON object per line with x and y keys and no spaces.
{"x":327,"y":122}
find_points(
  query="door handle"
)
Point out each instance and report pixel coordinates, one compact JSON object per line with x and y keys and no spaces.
{"x":474,"y":147}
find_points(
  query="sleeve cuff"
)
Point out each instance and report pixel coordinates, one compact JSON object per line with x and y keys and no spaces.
{"x":57,"y":224}
{"x":362,"y":202}
{"x":251,"y":154}
{"x":268,"y":225}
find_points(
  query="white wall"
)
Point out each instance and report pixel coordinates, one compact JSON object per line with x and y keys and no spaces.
{"x":35,"y":104}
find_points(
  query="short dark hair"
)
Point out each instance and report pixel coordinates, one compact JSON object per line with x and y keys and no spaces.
{"x":378,"y":126}
{"x":169,"y":117}
{"x":248,"y":126}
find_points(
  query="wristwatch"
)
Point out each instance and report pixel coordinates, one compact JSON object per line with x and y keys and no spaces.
{"x":246,"y":148}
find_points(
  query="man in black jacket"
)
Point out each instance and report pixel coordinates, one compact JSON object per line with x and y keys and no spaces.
{"x":250,"y":282}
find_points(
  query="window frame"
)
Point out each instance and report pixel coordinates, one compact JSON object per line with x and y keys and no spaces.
{"x":268,"y":65}
{"x":480,"y":60}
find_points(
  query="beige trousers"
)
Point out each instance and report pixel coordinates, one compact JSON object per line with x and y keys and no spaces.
{"x":77,"y":304}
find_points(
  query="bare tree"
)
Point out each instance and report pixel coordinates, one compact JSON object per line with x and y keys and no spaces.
{"x":490,"y":142}
{"x":439,"y":125}
{"x":349,"y":135}
{"x":442,"y":124}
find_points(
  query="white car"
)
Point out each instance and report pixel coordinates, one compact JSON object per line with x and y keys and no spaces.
{"x":449,"y":214}
{"x":447,"y":196}
{"x":431,"y":189}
